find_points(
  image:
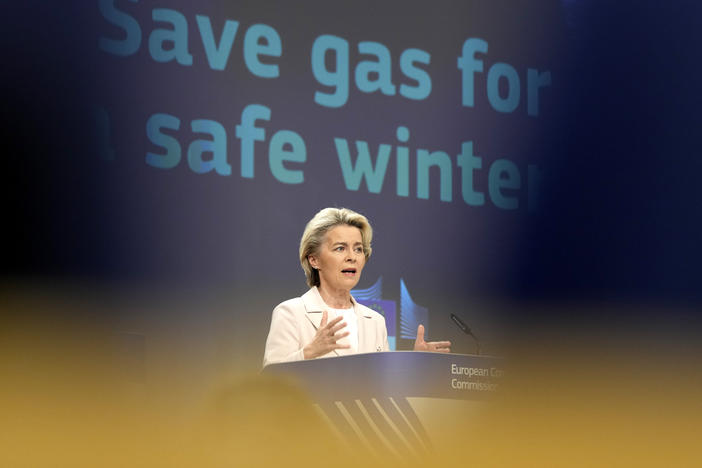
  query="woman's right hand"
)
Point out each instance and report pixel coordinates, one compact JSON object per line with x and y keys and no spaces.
{"x":325,"y":340}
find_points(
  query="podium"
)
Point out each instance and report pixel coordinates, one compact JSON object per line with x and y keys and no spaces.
{"x":394,"y":401}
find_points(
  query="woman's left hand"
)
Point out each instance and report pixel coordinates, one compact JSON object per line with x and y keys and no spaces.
{"x":435,"y":346}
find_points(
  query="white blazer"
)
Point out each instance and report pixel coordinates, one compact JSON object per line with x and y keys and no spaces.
{"x":295,"y":322}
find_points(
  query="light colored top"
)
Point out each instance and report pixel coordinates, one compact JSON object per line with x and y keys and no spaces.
{"x":349,"y":316}
{"x":295,"y":322}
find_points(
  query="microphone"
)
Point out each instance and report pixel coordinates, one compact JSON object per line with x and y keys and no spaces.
{"x":466,"y":329}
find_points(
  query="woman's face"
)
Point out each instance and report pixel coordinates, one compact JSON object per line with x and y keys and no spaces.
{"x":340,"y":258}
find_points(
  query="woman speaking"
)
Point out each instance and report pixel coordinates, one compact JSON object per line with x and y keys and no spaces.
{"x":326,"y":321}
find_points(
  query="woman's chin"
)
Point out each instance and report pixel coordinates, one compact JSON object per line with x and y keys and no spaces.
{"x":350,"y":282}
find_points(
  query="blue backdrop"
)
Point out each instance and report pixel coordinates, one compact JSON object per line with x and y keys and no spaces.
{"x":504,"y":152}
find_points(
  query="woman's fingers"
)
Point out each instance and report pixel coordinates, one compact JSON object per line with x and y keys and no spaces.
{"x":330,"y":342}
{"x":338,"y":336}
{"x":440,"y":346}
{"x":332,"y":322}
{"x":332,"y":339}
{"x":336,"y":328}
{"x":328,"y":335}
{"x":330,"y":327}
{"x":333,"y":332}
{"x":420,"y":334}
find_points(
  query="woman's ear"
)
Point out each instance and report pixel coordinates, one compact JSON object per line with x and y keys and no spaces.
{"x":313,"y":261}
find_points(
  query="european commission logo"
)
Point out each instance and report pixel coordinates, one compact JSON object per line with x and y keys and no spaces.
{"x":411,"y":314}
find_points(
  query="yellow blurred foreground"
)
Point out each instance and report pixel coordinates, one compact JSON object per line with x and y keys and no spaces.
{"x":64,"y":404}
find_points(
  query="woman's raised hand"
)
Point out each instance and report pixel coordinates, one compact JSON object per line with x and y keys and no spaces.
{"x":436,"y":346}
{"x":325,"y":340}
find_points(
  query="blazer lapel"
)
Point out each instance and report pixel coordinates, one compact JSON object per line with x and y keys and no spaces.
{"x":314,"y":306}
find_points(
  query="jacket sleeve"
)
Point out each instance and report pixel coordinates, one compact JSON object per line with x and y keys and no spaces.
{"x":283,"y":342}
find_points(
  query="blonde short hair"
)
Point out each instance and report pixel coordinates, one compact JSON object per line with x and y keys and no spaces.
{"x":316,"y":229}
